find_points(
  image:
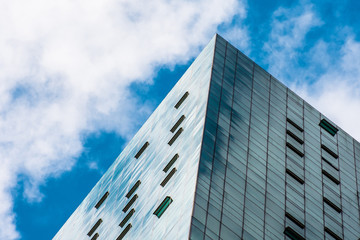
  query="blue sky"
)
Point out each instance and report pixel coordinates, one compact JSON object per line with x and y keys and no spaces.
{"x":78,"y":78}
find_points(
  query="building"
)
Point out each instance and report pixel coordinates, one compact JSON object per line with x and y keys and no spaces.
{"x":230,"y":153}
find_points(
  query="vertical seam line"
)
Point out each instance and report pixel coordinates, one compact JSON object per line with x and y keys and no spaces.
{"x":267,"y":156}
{"x":248,"y":150}
{"x":207,"y":106}
{"x":227,"y":152}
{"x":213,"y":157}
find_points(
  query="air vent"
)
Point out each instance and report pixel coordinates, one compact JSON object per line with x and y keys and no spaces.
{"x":334,"y":235}
{"x":177,"y":134}
{"x":95,"y":236}
{"x":123,"y":233}
{"x":93,"y":229}
{"x":295,"y":137}
{"x":292,"y":218}
{"x":328,"y":127}
{"x":333,"y":205}
{"x":177,"y":124}
{"x":296,"y":177}
{"x":331,"y":177}
{"x":102,"y":200}
{"x":172,"y":161}
{"x":329,"y":151}
{"x":133,"y":189}
{"x":292,"y":234}
{"x":164,"y":182}
{"x":182,"y":99}
{"x":142,"y":149}
{"x":298,"y":152}
{"x":294,"y":124}
{"x":130,"y":203}
{"x":126,"y":218}
{"x":163,"y":206}
{"x":325,"y":160}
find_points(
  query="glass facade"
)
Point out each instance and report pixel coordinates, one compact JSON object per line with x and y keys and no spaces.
{"x":271,"y":166}
{"x":156,"y":171}
{"x":230,"y":153}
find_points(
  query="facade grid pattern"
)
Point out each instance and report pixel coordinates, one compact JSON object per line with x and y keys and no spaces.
{"x":230,"y":153}
{"x":266,"y":164}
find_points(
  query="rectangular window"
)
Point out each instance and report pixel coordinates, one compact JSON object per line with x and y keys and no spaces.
{"x":93,"y":229}
{"x":328,"y":127}
{"x":172,"y":161}
{"x":142,"y":149}
{"x":163,"y":206}
{"x":130,"y":203}
{"x":331,"y":204}
{"x":292,"y":218}
{"x":298,"y":152}
{"x":182,"y":99}
{"x":95,"y":236}
{"x":295,"y":125}
{"x":334,"y":235}
{"x":102,"y":200}
{"x":329,"y":151}
{"x":177,"y":124}
{"x":126,"y":218}
{"x":294,"y":137}
{"x":331,"y":177}
{"x":177,"y":134}
{"x":296,"y":177}
{"x":164,"y":182}
{"x":133,"y":189}
{"x":292,"y":234}
{"x":123,"y":233}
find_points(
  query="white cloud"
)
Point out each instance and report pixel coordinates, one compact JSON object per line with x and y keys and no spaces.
{"x":289,"y":28}
{"x":337,"y":91}
{"x":236,"y":32}
{"x":64,"y":71}
{"x":239,"y":37}
{"x":329,"y":79}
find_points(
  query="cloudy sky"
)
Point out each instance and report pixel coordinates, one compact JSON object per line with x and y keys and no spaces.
{"x":78,"y":78}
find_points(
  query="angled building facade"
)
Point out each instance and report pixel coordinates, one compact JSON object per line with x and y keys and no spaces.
{"x":230,"y":153}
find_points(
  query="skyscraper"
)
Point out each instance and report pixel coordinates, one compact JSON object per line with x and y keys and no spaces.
{"x":230,"y":153}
